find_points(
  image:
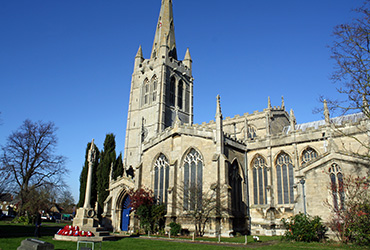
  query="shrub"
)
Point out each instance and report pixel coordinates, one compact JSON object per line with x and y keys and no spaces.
{"x":303,"y":227}
{"x":26,"y":220}
{"x":175,"y":228}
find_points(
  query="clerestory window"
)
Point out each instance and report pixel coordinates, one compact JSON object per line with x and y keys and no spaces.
{"x":307,"y":155}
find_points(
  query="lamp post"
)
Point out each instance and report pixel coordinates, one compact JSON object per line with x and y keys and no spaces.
{"x":302,"y":181}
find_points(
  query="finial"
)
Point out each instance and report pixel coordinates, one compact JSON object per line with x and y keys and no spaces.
{"x":326,"y":112}
{"x":292,"y":120}
{"x":139,"y":53}
{"x":269,"y":103}
{"x":282,"y":102}
{"x":187,"y":55}
{"x":218,"y":109}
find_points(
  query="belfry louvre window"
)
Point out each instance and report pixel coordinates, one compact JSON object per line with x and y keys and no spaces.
{"x":154,"y":86}
{"x":251,"y":132}
{"x":161,"y":178}
{"x":171,"y":92}
{"x":146,"y":92}
{"x":179,"y":94}
{"x":260,"y":182}
{"x":284,"y":179}
{"x":307,"y":155}
{"x":193,"y":180}
{"x":336,"y":179}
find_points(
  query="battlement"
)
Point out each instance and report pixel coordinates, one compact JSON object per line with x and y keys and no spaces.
{"x":183,"y":129}
{"x":149,"y":64}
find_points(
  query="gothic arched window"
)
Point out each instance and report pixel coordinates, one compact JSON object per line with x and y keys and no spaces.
{"x":251,"y":132}
{"x":235,"y":182}
{"x":161,"y":178}
{"x":171,"y":92}
{"x":285,"y":179}
{"x":336,"y":179}
{"x":193,"y":180}
{"x":179,"y":94}
{"x":307,"y":155}
{"x":154,"y":86}
{"x":146,"y":89}
{"x":260,"y":182}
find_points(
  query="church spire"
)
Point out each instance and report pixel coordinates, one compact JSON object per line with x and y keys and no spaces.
{"x":165,"y":31}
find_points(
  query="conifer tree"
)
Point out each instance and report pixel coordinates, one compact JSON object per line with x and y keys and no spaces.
{"x":83,"y":178}
{"x":118,"y":167}
{"x":107,"y":157}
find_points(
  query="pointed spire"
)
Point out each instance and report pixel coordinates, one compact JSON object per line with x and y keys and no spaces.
{"x":139,"y":53}
{"x":139,"y":57}
{"x":282,"y":102}
{"x":326,"y":112}
{"x":165,"y":30}
{"x":187,"y":60}
{"x":292,"y":120}
{"x":187,"y":55}
{"x":269,"y":103}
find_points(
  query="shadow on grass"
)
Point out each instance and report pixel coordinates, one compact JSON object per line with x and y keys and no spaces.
{"x":19,"y":230}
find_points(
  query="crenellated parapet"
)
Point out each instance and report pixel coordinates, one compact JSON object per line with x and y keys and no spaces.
{"x":181,"y":129}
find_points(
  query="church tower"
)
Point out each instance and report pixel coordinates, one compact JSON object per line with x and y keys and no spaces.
{"x":161,"y":89}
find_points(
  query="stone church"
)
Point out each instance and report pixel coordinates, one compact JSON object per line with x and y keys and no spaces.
{"x":259,"y":167}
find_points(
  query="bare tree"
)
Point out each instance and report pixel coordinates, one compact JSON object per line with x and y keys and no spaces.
{"x":351,"y":52}
{"x":200,"y":206}
{"x":29,"y":157}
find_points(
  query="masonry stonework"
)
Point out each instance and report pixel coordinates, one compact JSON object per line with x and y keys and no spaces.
{"x":253,"y":163}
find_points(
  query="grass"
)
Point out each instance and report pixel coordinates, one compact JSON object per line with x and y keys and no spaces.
{"x":11,"y":236}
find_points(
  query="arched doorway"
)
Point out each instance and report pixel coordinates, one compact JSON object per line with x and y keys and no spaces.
{"x":125,"y":213}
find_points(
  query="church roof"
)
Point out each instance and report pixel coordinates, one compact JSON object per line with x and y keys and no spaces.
{"x":336,"y":121}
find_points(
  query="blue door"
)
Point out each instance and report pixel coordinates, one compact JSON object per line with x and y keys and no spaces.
{"x":126,"y":214}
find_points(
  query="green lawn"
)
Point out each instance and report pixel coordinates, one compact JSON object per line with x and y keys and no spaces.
{"x":11,"y":236}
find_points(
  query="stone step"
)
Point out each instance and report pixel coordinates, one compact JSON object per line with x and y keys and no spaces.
{"x":75,"y":239}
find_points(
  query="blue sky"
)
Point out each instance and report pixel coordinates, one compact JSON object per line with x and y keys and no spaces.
{"x":71,"y":62}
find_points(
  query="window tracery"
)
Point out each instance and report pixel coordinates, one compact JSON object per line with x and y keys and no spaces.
{"x":307,"y":155}
{"x":146,"y":89}
{"x":193,"y":180}
{"x":260,"y":180}
{"x":336,"y":179}
{"x":161,"y":178}
{"x":285,"y":179}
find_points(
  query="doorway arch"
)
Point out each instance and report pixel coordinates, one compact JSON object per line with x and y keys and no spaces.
{"x":125,"y":217}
